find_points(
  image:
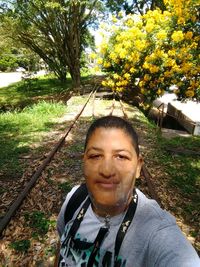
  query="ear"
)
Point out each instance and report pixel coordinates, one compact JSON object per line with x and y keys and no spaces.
{"x":139,"y":166}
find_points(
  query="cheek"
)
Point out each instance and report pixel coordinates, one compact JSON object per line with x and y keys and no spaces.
{"x":128,"y":177}
{"x":128,"y":180}
{"x":89,"y":170}
{"x":128,"y":170}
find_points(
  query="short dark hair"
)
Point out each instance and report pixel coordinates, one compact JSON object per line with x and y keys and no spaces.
{"x":114,"y":122}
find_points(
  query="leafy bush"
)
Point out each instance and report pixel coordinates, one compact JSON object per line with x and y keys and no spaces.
{"x":8,"y":63}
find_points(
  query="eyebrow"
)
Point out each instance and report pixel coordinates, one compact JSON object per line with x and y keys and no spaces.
{"x":93,"y":148}
{"x":100,"y":150}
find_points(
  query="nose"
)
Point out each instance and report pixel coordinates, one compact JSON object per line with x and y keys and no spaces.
{"x":107,"y":168}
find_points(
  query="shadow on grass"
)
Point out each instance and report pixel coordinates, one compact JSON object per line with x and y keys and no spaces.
{"x":27,"y":92}
{"x":184,"y":171}
{"x":20,"y":130}
{"x":41,"y":87}
{"x":14,"y":144}
{"x":11,"y":147}
{"x":16,"y":135}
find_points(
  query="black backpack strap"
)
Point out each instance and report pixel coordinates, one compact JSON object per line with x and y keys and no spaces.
{"x":79,"y":218}
{"x":125,"y":225}
{"x":75,"y":202}
{"x":74,"y":228}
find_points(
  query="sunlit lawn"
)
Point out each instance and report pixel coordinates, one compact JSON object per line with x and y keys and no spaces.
{"x":19,"y":129}
{"x":27,"y":110}
{"x":26,"y":92}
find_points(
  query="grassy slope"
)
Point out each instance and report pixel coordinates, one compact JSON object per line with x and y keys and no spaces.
{"x":27,"y":92}
{"x":18,"y":130}
{"x":184,"y":171}
{"x":31,"y":106}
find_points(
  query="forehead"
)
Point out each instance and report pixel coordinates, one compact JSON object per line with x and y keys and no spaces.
{"x":102,"y":135}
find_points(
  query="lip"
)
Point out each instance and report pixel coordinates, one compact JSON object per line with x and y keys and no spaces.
{"x":107,"y":184}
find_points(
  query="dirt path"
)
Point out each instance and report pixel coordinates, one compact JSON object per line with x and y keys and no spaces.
{"x":65,"y":171}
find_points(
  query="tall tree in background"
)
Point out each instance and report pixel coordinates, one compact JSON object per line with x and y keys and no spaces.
{"x":134,"y":6}
{"x":14,"y":55}
{"x":53,"y":29}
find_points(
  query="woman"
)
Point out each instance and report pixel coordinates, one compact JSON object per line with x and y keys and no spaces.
{"x":114,"y":223}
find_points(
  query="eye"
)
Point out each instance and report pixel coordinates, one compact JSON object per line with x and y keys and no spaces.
{"x":94,"y":156}
{"x":122,"y":157}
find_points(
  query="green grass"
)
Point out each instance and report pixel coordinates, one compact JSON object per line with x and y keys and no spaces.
{"x":27,"y":110}
{"x":19,"y":129}
{"x":183,"y":168}
{"x":65,"y":187}
{"x":27,"y":92}
{"x":192,"y":143}
{"x":38,"y":222}
{"x":21,"y":245}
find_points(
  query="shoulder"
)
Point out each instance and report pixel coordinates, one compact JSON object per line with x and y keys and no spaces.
{"x":149,"y":219}
{"x":70,"y":194}
{"x":165,"y":243}
{"x":60,"y":219}
{"x":149,"y":210}
{"x":68,"y":197}
{"x":169,"y":247}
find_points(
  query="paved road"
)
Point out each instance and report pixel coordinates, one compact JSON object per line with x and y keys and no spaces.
{"x":10,"y":77}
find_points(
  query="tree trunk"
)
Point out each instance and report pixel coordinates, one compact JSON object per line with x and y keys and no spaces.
{"x":62,"y":76}
{"x":76,"y":78}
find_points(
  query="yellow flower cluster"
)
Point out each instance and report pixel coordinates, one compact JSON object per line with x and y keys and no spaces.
{"x":154,"y":51}
{"x":93,"y":55}
{"x":162,"y":35}
{"x":177,"y":36}
{"x":188,"y":35}
{"x":189,"y":93}
{"x":183,"y":9}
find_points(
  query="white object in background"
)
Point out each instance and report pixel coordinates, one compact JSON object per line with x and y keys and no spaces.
{"x":197,"y":128}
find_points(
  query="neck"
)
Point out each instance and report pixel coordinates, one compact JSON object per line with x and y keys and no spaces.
{"x":107,"y":211}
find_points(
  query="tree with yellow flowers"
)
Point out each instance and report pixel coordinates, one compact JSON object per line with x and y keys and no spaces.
{"x":146,"y":54}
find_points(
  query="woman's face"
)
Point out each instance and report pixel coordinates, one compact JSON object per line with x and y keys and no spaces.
{"x":111,"y":166}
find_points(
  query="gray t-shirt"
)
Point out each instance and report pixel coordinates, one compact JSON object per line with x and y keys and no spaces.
{"x":153,"y":239}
